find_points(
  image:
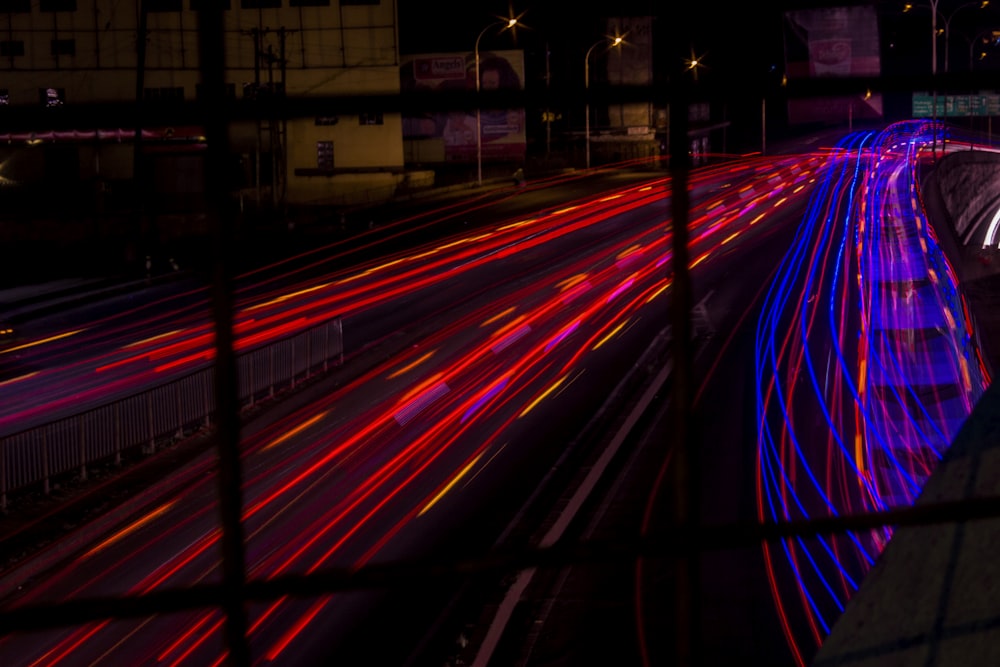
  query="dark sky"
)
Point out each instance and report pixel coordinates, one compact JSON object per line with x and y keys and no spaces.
{"x":743,"y":39}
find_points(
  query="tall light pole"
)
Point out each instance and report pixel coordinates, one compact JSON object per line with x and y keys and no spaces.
{"x":613,"y":41}
{"x":980,"y":38}
{"x":982,"y":4}
{"x":506,"y":24}
{"x":934,"y":34}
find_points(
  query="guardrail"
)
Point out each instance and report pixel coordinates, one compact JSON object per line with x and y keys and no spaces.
{"x":162,"y":414}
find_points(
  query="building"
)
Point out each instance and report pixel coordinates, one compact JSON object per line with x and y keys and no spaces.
{"x":77,"y":52}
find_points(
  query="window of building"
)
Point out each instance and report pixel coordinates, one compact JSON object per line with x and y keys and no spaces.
{"x":163,"y":5}
{"x":309,"y":3}
{"x":52,"y":97}
{"x":58,"y":5}
{"x":197,"y":5}
{"x":13,"y":47}
{"x":15,"y":6}
{"x":371,"y":118}
{"x":260,"y":4}
{"x":168,"y":94}
{"x":230,"y":91}
{"x":324,"y":155}
{"x":64,"y":47}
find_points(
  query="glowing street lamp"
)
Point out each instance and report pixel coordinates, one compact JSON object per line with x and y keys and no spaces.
{"x":982,"y":4}
{"x":506,"y":24}
{"x":613,"y":41}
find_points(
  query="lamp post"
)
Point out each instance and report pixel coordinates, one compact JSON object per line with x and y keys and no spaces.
{"x":506,"y":25}
{"x":614,"y":41}
{"x":979,"y":38}
{"x":981,"y":4}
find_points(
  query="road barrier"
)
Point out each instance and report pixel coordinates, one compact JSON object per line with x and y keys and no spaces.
{"x":160,"y":415}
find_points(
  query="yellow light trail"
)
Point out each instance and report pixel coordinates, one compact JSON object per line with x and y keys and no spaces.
{"x":409,"y":367}
{"x":42,"y":341}
{"x":152,"y":338}
{"x":498,"y":316}
{"x":543,"y":396}
{"x":572,"y":281}
{"x":286,"y":297}
{"x":610,"y":335}
{"x":295,"y":431}
{"x":18,"y":378}
{"x":129,"y":529}
{"x":659,"y":291}
{"x":461,"y":473}
{"x":515,"y":225}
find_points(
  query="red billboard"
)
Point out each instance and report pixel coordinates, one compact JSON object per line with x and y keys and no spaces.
{"x":451,"y":136}
{"x":832,"y":42}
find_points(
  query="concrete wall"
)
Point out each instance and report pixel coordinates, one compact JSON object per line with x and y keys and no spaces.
{"x":969,"y":185}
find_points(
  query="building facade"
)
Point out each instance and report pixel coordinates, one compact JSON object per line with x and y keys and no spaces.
{"x":67,"y":52}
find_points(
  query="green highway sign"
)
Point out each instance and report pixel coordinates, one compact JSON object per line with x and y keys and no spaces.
{"x":977,"y":104}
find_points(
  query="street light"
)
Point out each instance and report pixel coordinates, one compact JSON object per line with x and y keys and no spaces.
{"x":934,"y":34}
{"x":505,"y":24}
{"x":980,"y":38}
{"x":614,"y":41}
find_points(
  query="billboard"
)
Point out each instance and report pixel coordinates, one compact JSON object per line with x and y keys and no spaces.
{"x":630,"y":65}
{"x":832,"y":42}
{"x":450,"y":136}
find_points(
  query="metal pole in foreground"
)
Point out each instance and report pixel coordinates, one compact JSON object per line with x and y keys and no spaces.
{"x":217,"y":169}
{"x":685,"y":465}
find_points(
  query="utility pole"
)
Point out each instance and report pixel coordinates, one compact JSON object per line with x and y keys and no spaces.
{"x":255,"y":33}
{"x":282,"y":122}
{"x":138,"y":177}
{"x":548,"y":108}
{"x":270,"y":126}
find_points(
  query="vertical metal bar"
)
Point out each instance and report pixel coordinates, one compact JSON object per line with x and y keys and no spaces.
{"x":340,"y":340}
{"x":118,"y":433}
{"x":208,"y":406}
{"x":308,"y":353}
{"x":220,"y":210}
{"x":270,"y":370}
{"x":180,"y":413}
{"x":46,"y":488}
{"x":685,"y":480}
{"x":151,"y":447}
{"x":293,"y":363}
{"x":83,"y":449}
{"x":326,"y":347}
{"x":3,"y":474}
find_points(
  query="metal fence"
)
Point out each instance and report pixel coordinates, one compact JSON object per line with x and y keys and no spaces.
{"x":161,"y":415}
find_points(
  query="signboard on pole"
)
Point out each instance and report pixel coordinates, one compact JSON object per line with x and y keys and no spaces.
{"x":978,"y":104}
{"x":451,"y":136}
{"x":832,"y":42}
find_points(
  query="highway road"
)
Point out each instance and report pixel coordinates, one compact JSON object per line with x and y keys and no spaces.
{"x":519,"y":329}
{"x":867,"y":365}
{"x":838,"y":378}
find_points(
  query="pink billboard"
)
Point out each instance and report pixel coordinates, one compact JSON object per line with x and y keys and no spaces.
{"x":833,"y":42}
{"x":450,"y":136}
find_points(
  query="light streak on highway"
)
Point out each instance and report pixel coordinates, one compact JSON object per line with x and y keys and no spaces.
{"x":367,"y":468}
{"x":866,"y":367}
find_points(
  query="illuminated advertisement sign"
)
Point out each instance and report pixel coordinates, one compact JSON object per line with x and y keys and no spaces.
{"x":832,"y":42}
{"x":450,"y":136}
